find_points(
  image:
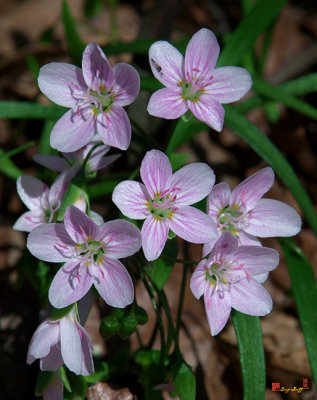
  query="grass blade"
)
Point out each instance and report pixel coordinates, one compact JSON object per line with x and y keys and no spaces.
{"x":23,"y":109}
{"x":249,"y":336}
{"x":262,"y":145}
{"x":305,"y":293}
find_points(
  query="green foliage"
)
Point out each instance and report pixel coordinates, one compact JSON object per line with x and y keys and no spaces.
{"x":75,"y":45}
{"x":249,"y":336}
{"x":43,"y":379}
{"x":185,"y":382}
{"x":93,"y":7}
{"x":304,"y":288}
{"x":7,"y":166}
{"x":26,"y":110}
{"x":58,"y":313}
{"x":162,"y":267}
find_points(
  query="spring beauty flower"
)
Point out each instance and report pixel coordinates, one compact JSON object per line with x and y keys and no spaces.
{"x":246,"y":215}
{"x":96,"y":95}
{"x":228,"y":279}
{"x":90,"y":253}
{"x":192,"y":83}
{"x":163,"y":201}
{"x":43,"y":202}
{"x":75,"y":160}
{"x":62,"y":341}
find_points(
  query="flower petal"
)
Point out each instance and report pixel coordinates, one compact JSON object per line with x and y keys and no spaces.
{"x":97,"y":161}
{"x":73,"y":130}
{"x":208,"y":110}
{"x":154,"y":235}
{"x":71,"y":345}
{"x":52,"y":162}
{"x":218,"y":199}
{"x":193,"y":225}
{"x":194,"y":182}
{"x":54,"y":390}
{"x":229,"y":84}
{"x":70,"y":284}
{"x":273,"y":218}
{"x":132,"y":199}
{"x":29,"y":220}
{"x":53,"y":360}
{"x":126,"y":84}
{"x":51,"y":242}
{"x":167,"y":63}
{"x":58,"y":188}
{"x":114,"y":283}
{"x":255,"y":259}
{"x":202,"y":53}
{"x":45,"y":336}
{"x":62,"y":83}
{"x":122,"y":238}
{"x":31,"y":191}
{"x":114,"y":127}
{"x":249,"y":192}
{"x":156,"y":172}
{"x":167,"y":103}
{"x":207,"y":247}
{"x":198,"y":279}
{"x":87,"y":364}
{"x":79,"y":226}
{"x":96,"y":68}
{"x":217,"y":308}
{"x":250,"y":297}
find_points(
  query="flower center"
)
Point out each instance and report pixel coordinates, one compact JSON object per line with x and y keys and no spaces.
{"x":232,"y":219}
{"x":162,"y":206}
{"x":216,"y":274}
{"x":191,"y":91}
{"x":91,"y":251}
{"x":101,"y":99}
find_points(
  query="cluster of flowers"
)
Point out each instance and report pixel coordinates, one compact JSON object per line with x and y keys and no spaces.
{"x":90,"y":248}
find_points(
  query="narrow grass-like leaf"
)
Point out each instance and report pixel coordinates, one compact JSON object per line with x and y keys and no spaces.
{"x":249,"y":336}
{"x":253,"y":24}
{"x":183,"y":132}
{"x":75,"y":45}
{"x":151,"y":84}
{"x":92,"y":7}
{"x":23,"y":109}
{"x":278,"y":94}
{"x":263,"y":146}
{"x":17,"y":150}
{"x":102,"y":188}
{"x":7,"y":167}
{"x":44,"y":145}
{"x":304,"y":288}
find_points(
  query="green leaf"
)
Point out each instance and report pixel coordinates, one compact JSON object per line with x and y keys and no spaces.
{"x":162,"y":268}
{"x":302,"y":85}
{"x":16,"y":150}
{"x":178,"y":160}
{"x":151,"y":84}
{"x":185,"y":383}
{"x":304,"y":288}
{"x":93,"y":7}
{"x":102,"y":372}
{"x":72,"y":194}
{"x":262,"y":145}
{"x":253,"y":24}
{"x":24,"y":109}
{"x":43,"y":379}
{"x":65,"y":379}
{"x":276,"y":93}
{"x":33,"y":66}
{"x":102,"y":188}
{"x":251,"y":351}
{"x":7,"y":167}
{"x":183,"y":133}
{"x":44,"y":145}
{"x":75,"y":45}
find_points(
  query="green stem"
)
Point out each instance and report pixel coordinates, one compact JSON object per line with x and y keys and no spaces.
{"x":179,"y":260}
{"x":83,"y":167}
{"x":158,"y":316}
{"x":143,"y":133}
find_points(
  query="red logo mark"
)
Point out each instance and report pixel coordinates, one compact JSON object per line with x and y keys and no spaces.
{"x":305,"y":382}
{"x":276,"y":386}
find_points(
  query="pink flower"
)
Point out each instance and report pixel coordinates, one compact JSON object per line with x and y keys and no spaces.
{"x":229,"y":279}
{"x":42,"y":201}
{"x":163,"y":201}
{"x":60,"y":342}
{"x":96,"y":95}
{"x":246,"y":215}
{"x":193,"y":82}
{"x":90,"y":253}
{"x":74,"y":160}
